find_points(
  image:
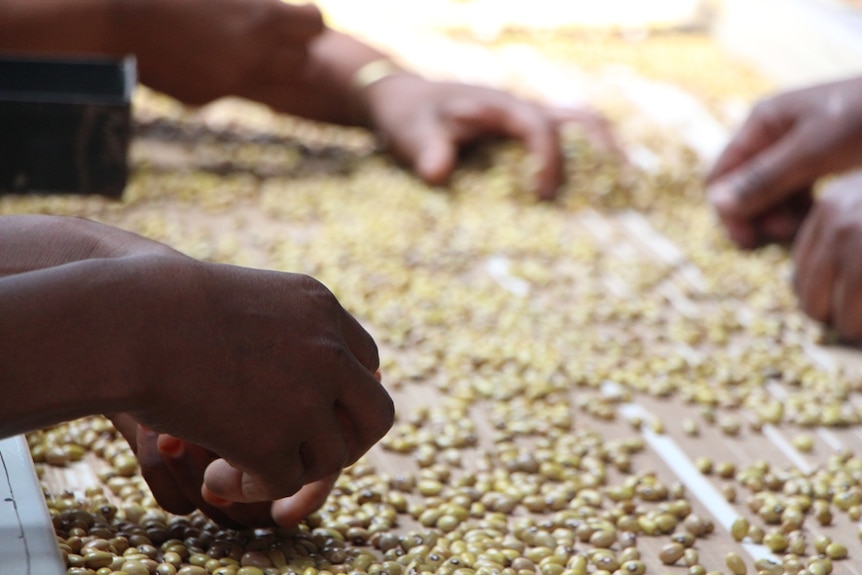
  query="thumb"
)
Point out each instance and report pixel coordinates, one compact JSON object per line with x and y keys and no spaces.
{"x":289,"y":511}
{"x":224,"y":481}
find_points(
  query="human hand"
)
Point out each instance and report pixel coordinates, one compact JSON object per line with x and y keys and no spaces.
{"x":285,"y":512}
{"x":174,"y":471}
{"x":761,"y":184}
{"x":201,"y":50}
{"x":828,"y":276}
{"x":265,"y":369}
{"x":269,"y":372}
{"x":423,"y":123}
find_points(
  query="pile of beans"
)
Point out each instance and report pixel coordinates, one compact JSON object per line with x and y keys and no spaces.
{"x":511,"y":334}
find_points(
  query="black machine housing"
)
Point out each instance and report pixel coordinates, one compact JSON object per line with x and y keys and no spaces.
{"x":65,"y":124}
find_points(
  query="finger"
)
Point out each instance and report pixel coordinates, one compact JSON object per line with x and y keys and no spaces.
{"x":364,"y":411}
{"x":127,"y":426}
{"x":435,"y":139}
{"x":845,"y":316}
{"x":817,"y":278}
{"x":300,"y":22}
{"x":328,"y":450}
{"x":187,"y":463}
{"x":783,"y":223}
{"x":359,"y":341}
{"x":766,"y":179}
{"x":765,"y":125}
{"x":237,"y":486}
{"x":801,"y":202}
{"x":596,"y":127}
{"x":803,"y":247}
{"x":500,"y":114}
{"x":778,"y":226}
{"x":290,"y":511}
{"x":165,"y":488}
{"x":847,"y":299}
{"x":368,"y":411}
{"x":435,"y":160}
{"x":427,"y":146}
{"x":741,"y":231}
{"x":528,"y":123}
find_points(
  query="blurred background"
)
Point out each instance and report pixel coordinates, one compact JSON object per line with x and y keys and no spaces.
{"x":691,"y":66}
{"x":793,"y":41}
{"x":631,"y":282}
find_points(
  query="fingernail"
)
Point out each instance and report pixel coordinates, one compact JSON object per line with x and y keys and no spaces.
{"x":212,"y":498}
{"x":433,"y":168}
{"x":171,"y":446}
{"x":721,"y":196}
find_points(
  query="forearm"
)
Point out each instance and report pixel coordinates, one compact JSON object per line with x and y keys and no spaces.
{"x":74,"y":338}
{"x":327,"y":91}
{"x":32,"y":242}
{"x":197,"y":51}
{"x":59,"y":26}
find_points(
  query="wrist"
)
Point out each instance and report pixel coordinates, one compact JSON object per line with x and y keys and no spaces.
{"x":366,"y":84}
{"x":129,"y":315}
{"x":373,"y":72}
{"x":77,"y":339}
{"x":168,"y":293}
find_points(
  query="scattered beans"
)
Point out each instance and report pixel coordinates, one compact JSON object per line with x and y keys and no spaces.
{"x":545,"y":494}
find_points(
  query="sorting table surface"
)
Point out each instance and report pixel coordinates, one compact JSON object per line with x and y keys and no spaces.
{"x":441,"y":277}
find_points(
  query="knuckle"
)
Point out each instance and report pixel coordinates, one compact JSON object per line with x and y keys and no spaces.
{"x":752,"y":181}
{"x":314,"y":16}
{"x":767,"y":118}
{"x":761,"y":109}
{"x":373,"y":427}
{"x":257,"y":489}
{"x":844,"y":232}
{"x":850,"y":224}
{"x":336,"y":355}
{"x":374,"y":353}
{"x":764,"y":111}
{"x":316,"y":291}
{"x":333,"y":460}
{"x":385,"y":416}
{"x":467,"y":110}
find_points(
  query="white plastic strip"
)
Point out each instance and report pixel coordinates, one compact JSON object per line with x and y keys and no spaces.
{"x":498,"y":268}
{"x":675,"y":458}
{"x":28,"y":545}
{"x":787,"y":449}
{"x":830,"y":439}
